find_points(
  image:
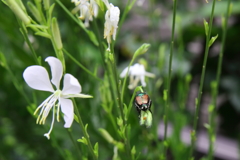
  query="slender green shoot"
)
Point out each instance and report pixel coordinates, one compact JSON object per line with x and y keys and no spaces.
{"x":169,"y":75}
{"x":213,"y":112}
{"x":208,"y":31}
{"x":86,"y":136}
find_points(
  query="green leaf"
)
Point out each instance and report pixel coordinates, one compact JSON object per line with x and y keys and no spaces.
{"x":49,"y":15}
{"x":207,"y":126}
{"x":133,"y":152}
{"x":206,"y":27}
{"x":83,"y":140}
{"x":211,"y":108}
{"x":125,"y":111}
{"x":3,"y":61}
{"x":43,"y":34}
{"x":76,"y":118}
{"x":95,"y":150}
{"x":85,"y":127}
{"x":37,"y":26}
{"x":212,"y":40}
{"x":34,"y":11}
{"x":92,"y":37}
{"x":165,"y":95}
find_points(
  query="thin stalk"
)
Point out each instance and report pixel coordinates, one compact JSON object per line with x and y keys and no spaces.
{"x":198,"y":100}
{"x":105,"y":65}
{"x":23,"y":29}
{"x":80,"y":65}
{"x":71,"y":15}
{"x":219,"y":69}
{"x":169,"y":74}
{"x":120,"y":101}
{"x":74,"y":143}
{"x":84,"y":131}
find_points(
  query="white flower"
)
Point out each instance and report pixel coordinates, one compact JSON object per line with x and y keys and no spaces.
{"x":37,"y":78}
{"x":87,"y":10}
{"x":111,"y":22}
{"x":140,"y":2}
{"x":136,"y":72}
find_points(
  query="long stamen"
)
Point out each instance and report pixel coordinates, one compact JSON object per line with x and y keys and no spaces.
{"x":47,"y":109}
{"x":43,"y":103}
{"x":58,"y":109}
{"x":50,"y":130}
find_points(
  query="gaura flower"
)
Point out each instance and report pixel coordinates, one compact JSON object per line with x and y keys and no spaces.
{"x":111,"y":22}
{"x":88,"y":10}
{"x":37,"y":78}
{"x":137,"y":73}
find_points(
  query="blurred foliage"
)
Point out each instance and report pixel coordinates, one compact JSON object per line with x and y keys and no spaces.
{"x":22,"y":139}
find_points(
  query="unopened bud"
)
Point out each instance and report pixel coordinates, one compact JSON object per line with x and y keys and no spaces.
{"x":56,"y":34}
{"x":17,"y":10}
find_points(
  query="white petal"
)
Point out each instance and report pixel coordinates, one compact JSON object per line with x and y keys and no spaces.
{"x":137,"y":70}
{"x":67,"y":110}
{"x":37,"y":78}
{"x":56,"y":69}
{"x":124,"y":72}
{"x":70,"y":85}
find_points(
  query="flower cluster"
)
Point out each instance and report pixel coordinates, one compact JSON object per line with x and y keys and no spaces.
{"x":111,"y":22}
{"x":88,"y":9}
{"x":37,"y":78}
{"x":137,"y":73}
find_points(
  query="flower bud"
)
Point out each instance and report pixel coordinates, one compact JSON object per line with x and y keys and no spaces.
{"x":17,"y":10}
{"x":141,"y":50}
{"x":34,"y":11}
{"x":106,"y":135}
{"x":56,"y":34}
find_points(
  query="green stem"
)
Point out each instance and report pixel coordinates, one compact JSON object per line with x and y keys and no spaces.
{"x":23,"y":29}
{"x":84,"y":131}
{"x":80,"y":65}
{"x":72,"y":16}
{"x":198,"y":100}
{"x":169,"y":74}
{"x":74,"y":143}
{"x":215,"y":93}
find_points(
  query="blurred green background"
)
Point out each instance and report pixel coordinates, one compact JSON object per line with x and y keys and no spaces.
{"x":22,"y":139}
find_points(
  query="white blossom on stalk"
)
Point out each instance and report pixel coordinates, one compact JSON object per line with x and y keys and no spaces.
{"x":88,"y":10}
{"x":137,"y":73}
{"x":111,"y":22}
{"x":37,"y":78}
